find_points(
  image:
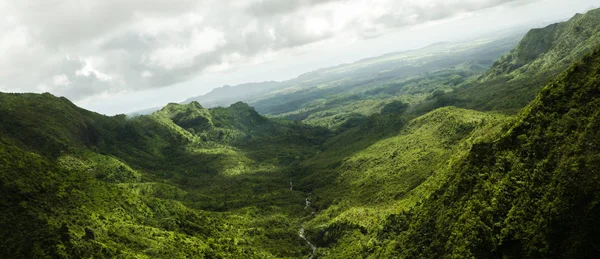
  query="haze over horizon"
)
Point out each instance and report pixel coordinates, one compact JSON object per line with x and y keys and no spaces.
{"x":120,"y":57}
{"x":349,"y":129}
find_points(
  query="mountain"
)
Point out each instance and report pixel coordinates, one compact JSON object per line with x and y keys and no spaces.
{"x":183,"y":181}
{"x":533,"y":192}
{"x":401,"y":178}
{"x":474,"y":75}
{"x":514,"y":80}
{"x":526,"y":189}
{"x":226,"y":95}
{"x":331,"y":96}
{"x":388,"y":165}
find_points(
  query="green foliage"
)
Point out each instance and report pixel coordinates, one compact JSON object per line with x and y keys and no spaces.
{"x":191,"y":116}
{"x":183,"y":182}
{"x":531,"y":193}
{"x":64,"y":124}
{"x":332,"y":96}
{"x":515,"y":79}
{"x":333,"y":106}
{"x":394,"y":107}
{"x":364,"y":181}
{"x":367,"y":173}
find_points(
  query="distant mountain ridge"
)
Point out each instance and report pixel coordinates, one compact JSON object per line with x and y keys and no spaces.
{"x":513,"y":81}
{"x":265,"y":96}
{"x":350,"y":162}
{"x":551,"y":48}
{"x":253,"y":92}
{"x":226,"y":95}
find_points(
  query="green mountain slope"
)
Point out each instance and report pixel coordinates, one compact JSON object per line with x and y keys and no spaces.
{"x":183,"y":182}
{"x":530,"y":193}
{"x":359,"y":170}
{"x":365,"y":180}
{"x":66,"y":209}
{"x":332,"y":96}
{"x":49,"y":125}
{"x":515,"y":79}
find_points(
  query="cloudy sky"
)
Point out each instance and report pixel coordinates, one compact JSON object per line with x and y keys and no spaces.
{"x":118,"y":56}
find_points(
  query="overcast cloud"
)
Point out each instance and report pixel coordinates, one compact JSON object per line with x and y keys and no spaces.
{"x":87,"y":48}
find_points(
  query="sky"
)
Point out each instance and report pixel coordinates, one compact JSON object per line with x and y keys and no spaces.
{"x":120,"y":56}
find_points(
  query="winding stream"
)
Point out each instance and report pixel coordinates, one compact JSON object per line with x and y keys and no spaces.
{"x":301,"y":231}
{"x":314,"y":248}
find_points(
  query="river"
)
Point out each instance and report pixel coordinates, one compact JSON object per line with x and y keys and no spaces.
{"x":314,"y":248}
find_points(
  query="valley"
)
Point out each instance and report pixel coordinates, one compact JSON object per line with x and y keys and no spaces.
{"x":483,"y":149}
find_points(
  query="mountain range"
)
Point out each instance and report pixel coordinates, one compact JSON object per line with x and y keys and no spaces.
{"x":484,"y":149}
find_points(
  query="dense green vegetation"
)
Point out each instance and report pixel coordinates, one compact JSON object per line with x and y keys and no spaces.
{"x":533,"y":192}
{"x":185,"y":181}
{"x":440,"y":75}
{"x":378,"y":167}
{"x":330,"y":97}
{"x":515,"y":79}
{"x":374,"y":177}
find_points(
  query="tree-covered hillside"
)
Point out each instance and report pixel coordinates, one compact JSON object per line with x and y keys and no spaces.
{"x":332,"y":96}
{"x":185,"y":181}
{"x":472,"y":75}
{"x":531,"y":191}
{"x":514,"y":80}
{"x":354,"y":165}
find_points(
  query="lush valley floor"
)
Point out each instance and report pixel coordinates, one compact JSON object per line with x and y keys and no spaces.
{"x":437,"y":173}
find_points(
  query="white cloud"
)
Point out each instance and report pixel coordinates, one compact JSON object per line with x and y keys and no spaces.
{"x":87,"y":48}
{"x":317,"y":26}
{"x":91,"y":68}
{"x":61,"y":80}
{"x":227,"y":62}
{"x":183,"y":55}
